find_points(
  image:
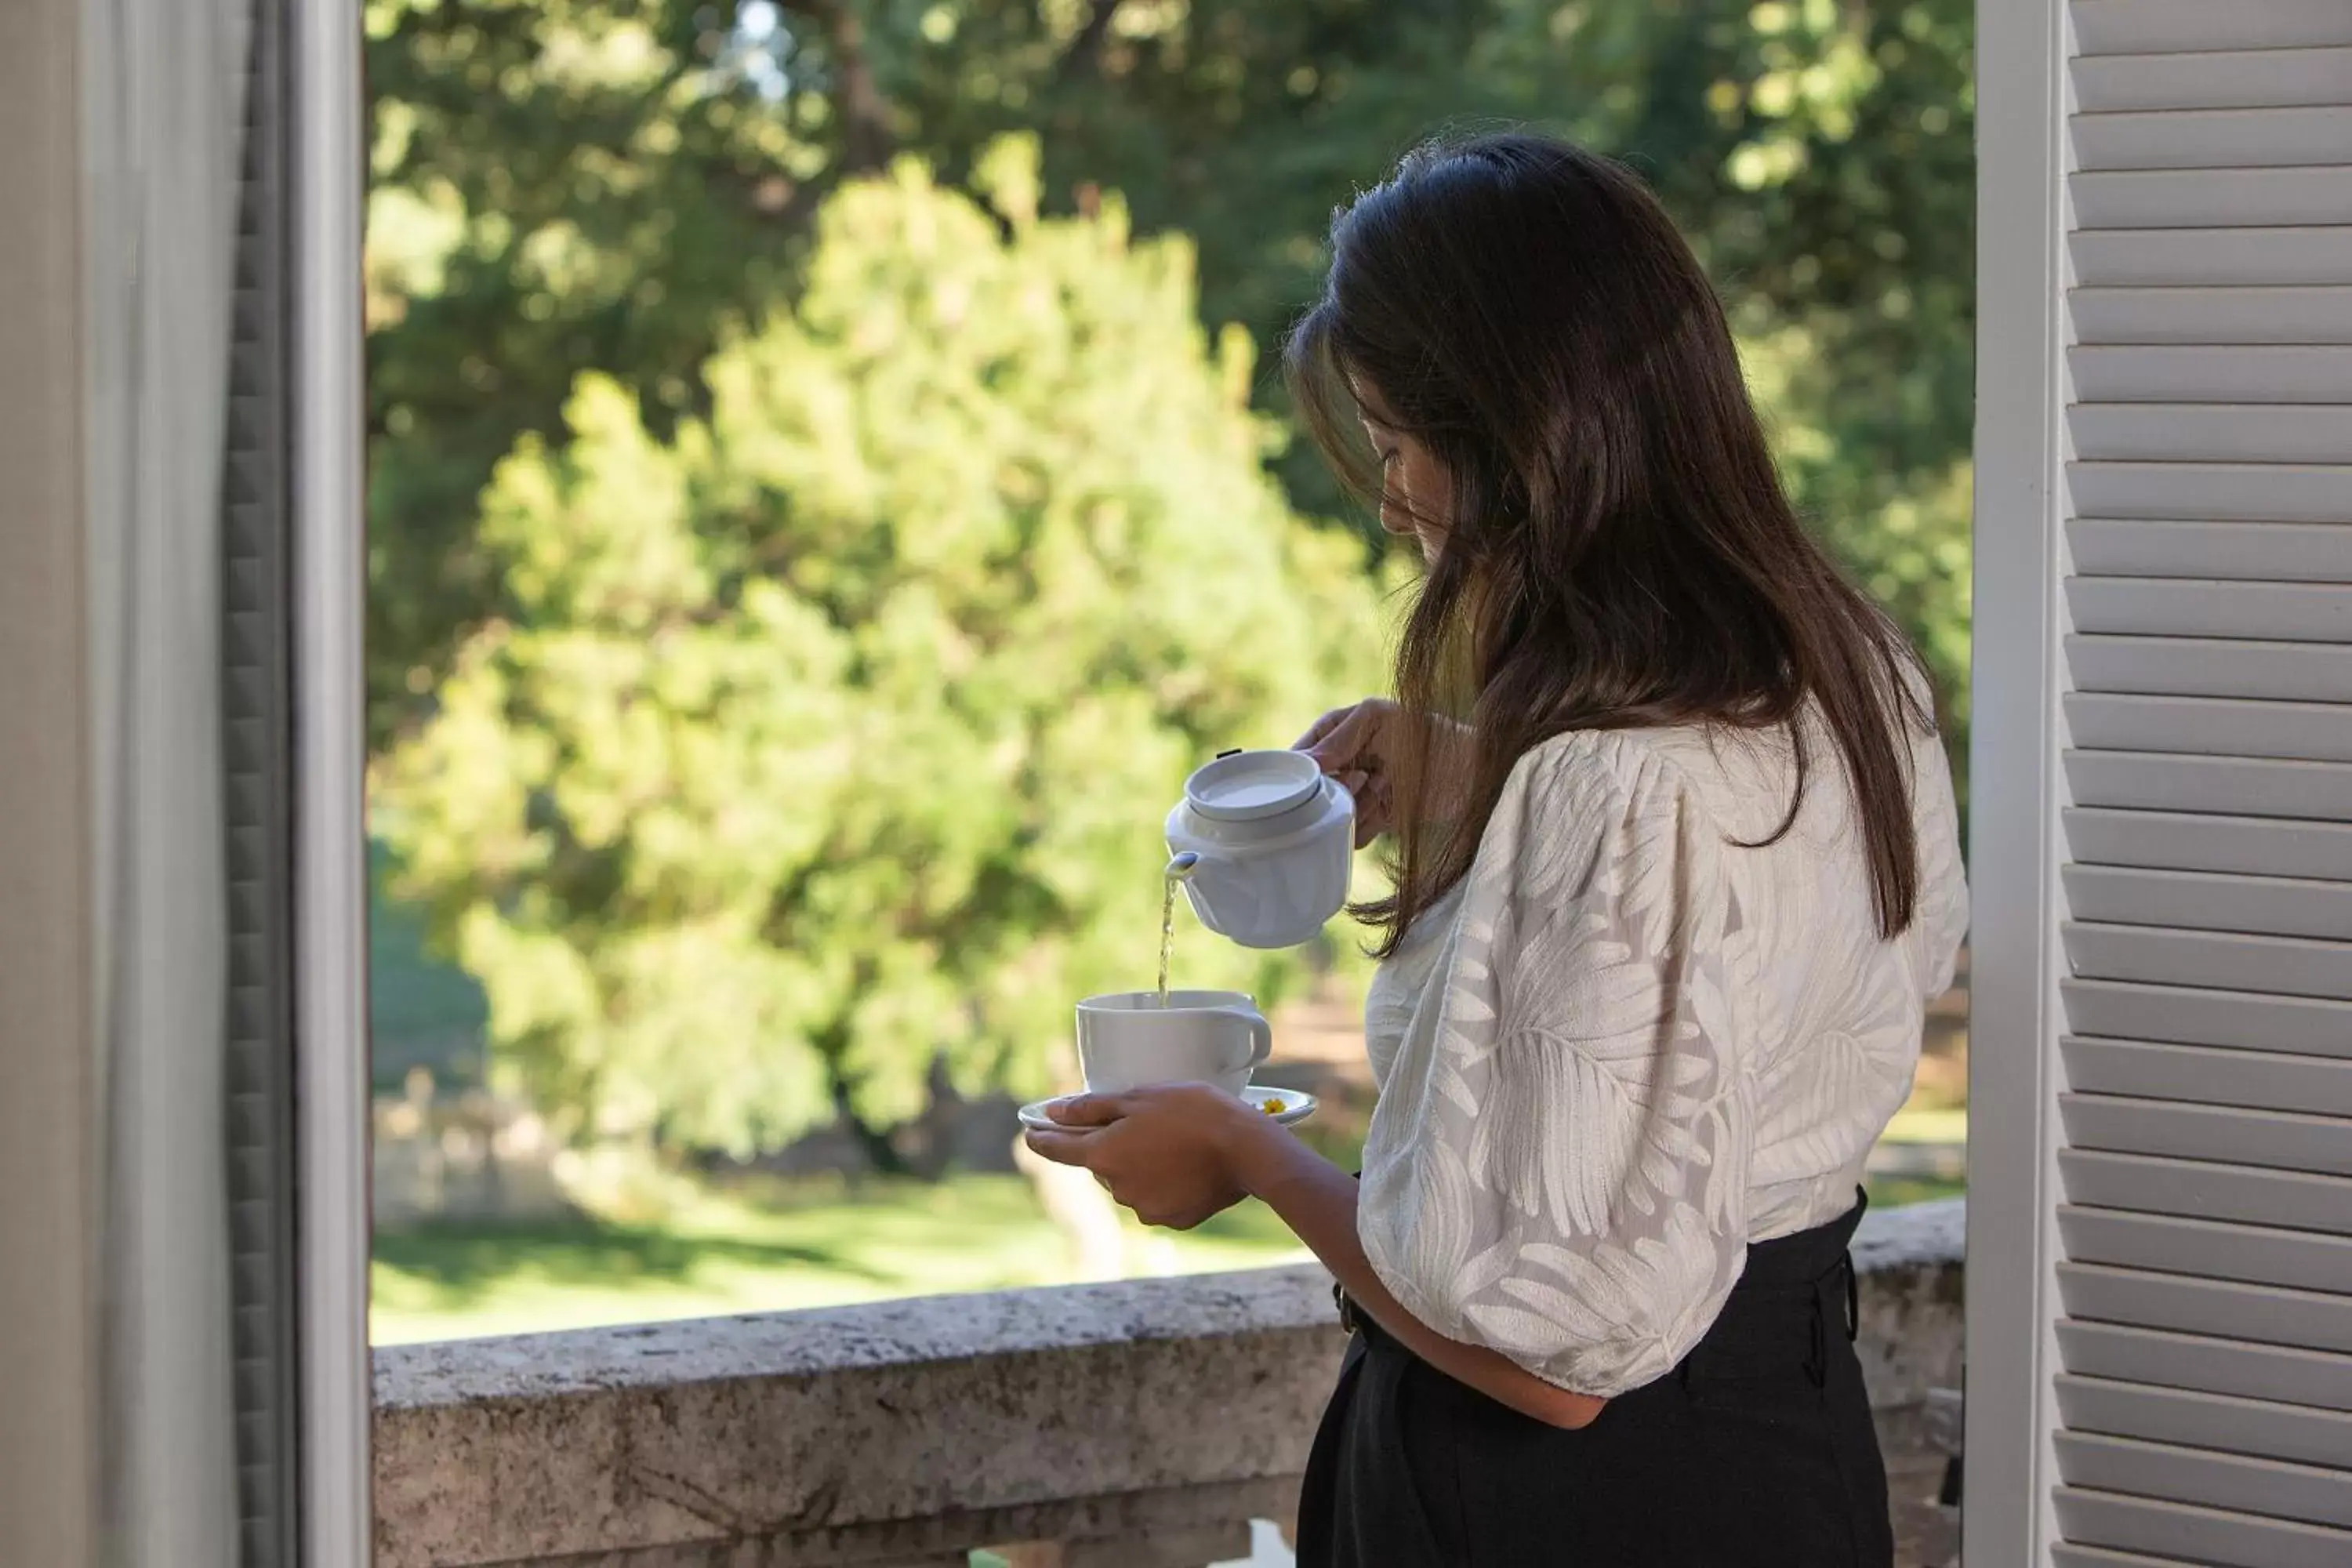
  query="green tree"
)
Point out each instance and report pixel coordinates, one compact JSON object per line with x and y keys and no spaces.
{"x":624,"y":578}
{"x":828,"y":734}
{"x":614,"y":185}
{"x":557,"y":186}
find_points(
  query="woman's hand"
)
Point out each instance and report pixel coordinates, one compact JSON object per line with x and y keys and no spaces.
{"x":1359,"y":745}
{"x":1170,"y":1152}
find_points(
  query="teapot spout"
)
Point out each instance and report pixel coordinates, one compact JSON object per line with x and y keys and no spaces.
{"x":1227,"y":897}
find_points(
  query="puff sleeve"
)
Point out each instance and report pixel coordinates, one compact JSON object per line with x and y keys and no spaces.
{"x":1557,"y":1167}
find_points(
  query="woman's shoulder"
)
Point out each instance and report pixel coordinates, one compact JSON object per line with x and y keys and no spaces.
{"x":1723,"y":775}
{"x":1743,"y":777}
{"x":1624,"y":756}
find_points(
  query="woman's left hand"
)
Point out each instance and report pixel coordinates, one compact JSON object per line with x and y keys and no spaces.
{"x":1169,"y":1152}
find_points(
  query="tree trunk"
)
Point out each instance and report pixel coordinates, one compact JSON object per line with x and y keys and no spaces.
{"x":874,"y":1141}
{"x":1080,"y":1210}
{"x":867,"y":141}
{"x":1083,"y":57}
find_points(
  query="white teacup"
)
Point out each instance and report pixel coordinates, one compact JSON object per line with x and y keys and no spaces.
{"x":1127,"y":1040}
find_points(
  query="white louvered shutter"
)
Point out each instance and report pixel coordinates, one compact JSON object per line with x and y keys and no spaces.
{"x":2204,"y":1376}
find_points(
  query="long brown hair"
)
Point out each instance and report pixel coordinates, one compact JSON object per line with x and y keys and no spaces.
{"x":1620,"y":553}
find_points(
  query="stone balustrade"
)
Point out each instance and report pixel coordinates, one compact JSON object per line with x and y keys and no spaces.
{"x":1138,"y":1425}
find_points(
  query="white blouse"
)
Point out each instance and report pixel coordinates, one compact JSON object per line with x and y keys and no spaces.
{"x":1625,"y":1046}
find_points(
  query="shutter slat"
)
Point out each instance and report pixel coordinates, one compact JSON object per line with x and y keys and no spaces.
{"x":2272,"y":1139}
{"x":2184,"y":667}
{"x":2179,"y":1015}
{"x":2065,"y":1554}
{"x":2212,"y":432}
{"x":2200,"y":492}
{"x":2211,"y":902}
{"x":2269,"y":552}
{"x":2281,"y":1375}
{"x":2174,"y":26}
{"x":2212,"y":1538}
{"x":2247,"y":845}
{"x":2209,"y":373}
{"x":2188,"y":607}
{"x":2228,"y":1421}
{"x":2249,"y":1195}
{"x":2229,"y":79}
{"x":2197,"y":317}
{"x":2176,"y":1244}
{"x":2210,"y":726}
{"x":2251,"y":786}
{"x":2292,"y":197}
{"x":2215,"y":257}
{"x":2222,"y":961}
{"x":2273,"y":1314}
{"x":2212,"y":1076}
{"x":2274,"y":1489}
{"x":2214,"y":138}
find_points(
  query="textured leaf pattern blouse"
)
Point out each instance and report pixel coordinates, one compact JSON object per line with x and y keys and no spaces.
{"x":1625,"y":1046}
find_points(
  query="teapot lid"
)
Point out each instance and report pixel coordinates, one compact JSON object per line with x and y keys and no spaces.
{"x":1244,"y":786}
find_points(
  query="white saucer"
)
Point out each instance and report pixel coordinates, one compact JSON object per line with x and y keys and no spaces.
{"x":1295,"y":1106}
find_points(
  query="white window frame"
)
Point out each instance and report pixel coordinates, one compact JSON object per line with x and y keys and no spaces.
{"x":328,"y":583}
{"x":2017,"y":789}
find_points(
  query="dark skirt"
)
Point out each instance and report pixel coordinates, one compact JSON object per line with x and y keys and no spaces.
{"x":1755,"y":1452}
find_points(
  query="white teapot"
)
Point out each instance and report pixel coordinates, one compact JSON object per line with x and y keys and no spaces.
{"x":1274,"y":840}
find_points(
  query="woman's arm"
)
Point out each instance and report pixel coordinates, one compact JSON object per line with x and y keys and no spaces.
{"x":1573,"y":1183}
{"x":1317,"y":1200}
{"x":1177,"y":1153}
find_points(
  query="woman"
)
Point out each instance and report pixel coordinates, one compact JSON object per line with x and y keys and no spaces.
{"x":1677,"y":872}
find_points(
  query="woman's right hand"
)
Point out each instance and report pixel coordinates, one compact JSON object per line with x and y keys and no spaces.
{"x":1359,"y":745}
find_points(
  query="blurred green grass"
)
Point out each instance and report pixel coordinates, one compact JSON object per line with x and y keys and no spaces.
{"x":1894,"y":1192}
{"x":710,"y":1249}
{"x":1929,"y":1124}
{"x":714,"y":1250}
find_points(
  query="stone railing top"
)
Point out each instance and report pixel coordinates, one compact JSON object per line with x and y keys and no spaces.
{"x":919,"y":1330}
{"x":904,"y":1429}
{"x":1917,"y":1235}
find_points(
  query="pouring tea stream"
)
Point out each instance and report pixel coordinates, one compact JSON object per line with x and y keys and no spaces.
{"x":1179,"y":870}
